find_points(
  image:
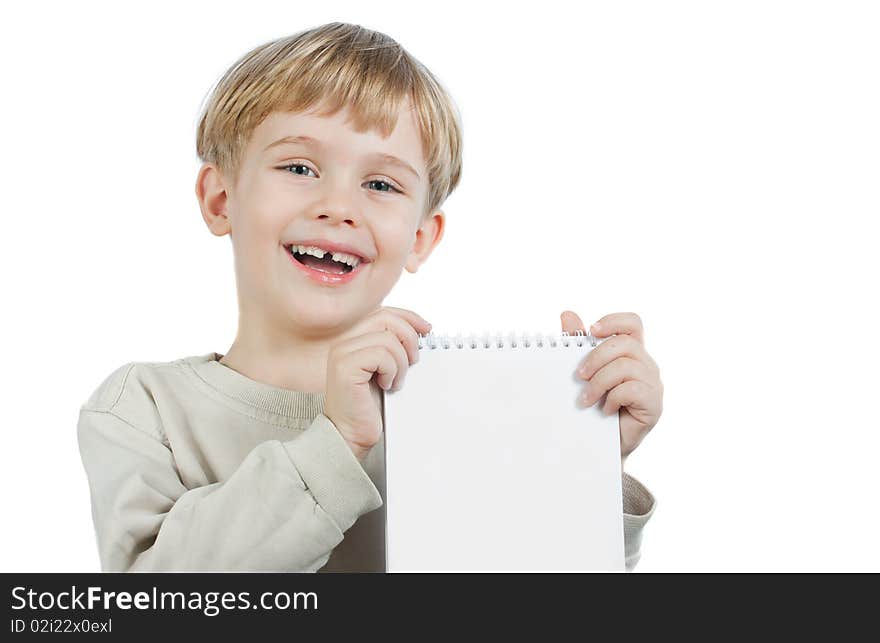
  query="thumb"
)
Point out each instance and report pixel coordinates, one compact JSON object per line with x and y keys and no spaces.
{"x":572,"y":323}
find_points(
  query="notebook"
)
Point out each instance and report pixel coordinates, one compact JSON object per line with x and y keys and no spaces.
{"x":492,"y":464}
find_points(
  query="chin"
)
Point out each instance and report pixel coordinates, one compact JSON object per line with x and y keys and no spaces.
{"x":318,"y":314}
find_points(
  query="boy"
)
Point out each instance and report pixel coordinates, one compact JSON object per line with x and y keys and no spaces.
{"x":325,"y":158}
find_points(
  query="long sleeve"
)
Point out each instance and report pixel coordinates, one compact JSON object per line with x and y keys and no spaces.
{"x":638,"y":507}
{"x":284,"y":509}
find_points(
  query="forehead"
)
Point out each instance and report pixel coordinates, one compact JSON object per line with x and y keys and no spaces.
{"x":337,"y":133}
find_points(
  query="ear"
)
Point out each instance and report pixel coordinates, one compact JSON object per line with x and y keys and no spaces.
{"x":427,"y":237}
{"x":213,"y":199}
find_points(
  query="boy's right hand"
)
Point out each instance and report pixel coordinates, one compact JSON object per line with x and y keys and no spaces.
{"x":384,"y":343}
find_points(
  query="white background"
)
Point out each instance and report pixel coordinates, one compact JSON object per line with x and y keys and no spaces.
{"x":711,"y":166}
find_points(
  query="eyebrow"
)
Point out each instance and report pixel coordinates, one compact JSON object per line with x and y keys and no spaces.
{"x":308,"y":141}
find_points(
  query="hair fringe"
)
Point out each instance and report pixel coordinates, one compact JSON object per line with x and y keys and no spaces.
{"x":335,"y":65}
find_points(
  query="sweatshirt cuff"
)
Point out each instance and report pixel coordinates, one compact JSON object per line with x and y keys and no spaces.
{"x":638,"y":502}
{"x":332,"y":473}
{"x":638,"y":507}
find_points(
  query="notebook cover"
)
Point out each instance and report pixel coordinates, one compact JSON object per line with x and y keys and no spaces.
{"x":492,"y":464}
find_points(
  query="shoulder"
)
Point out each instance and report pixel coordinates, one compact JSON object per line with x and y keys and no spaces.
{"x":130,"y":393}
{"x":105,"y":397}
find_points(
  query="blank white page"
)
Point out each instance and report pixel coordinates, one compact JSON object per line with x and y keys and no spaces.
{"x":491,"y":463}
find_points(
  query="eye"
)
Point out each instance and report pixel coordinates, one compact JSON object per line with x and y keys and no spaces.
{"x":387,"y":185}
{"x":292,"y":165}
{"x":391,"y":187}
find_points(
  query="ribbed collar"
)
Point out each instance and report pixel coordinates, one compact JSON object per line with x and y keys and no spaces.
{"x":231,"y":383}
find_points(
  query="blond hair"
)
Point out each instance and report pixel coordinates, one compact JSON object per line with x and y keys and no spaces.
{"x":343,"y":65}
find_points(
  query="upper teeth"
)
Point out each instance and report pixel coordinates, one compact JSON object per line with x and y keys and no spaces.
{"x":342,"y":257}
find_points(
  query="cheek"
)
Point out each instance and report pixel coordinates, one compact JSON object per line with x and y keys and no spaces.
{"x":395,"y":241}
{"x":262,"y":224}
{"x":257,"y":243}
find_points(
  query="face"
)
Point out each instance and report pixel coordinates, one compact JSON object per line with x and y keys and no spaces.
{"x":339,"y":188}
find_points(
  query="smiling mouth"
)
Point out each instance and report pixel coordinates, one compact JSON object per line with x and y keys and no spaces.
{"x":323,"y":264}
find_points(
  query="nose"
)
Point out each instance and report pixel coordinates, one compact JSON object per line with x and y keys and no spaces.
{"x":338,"y":203}
{"x":335,"y":215}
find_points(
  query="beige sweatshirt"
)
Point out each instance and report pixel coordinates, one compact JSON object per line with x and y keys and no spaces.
{"x":194,"y":467}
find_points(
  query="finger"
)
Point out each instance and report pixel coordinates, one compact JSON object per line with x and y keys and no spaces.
{"x":386,"y":340}
{"x":404,"y":330}
{"x":376,"y":359}
{"x":396,"y":349}
{"x":571,"y":323}
{"x":614,"y":348}
{"x":632,"y":394}
{"x":621,"y":370}
{"x":417,"y":321}
{"x":618,"y":324}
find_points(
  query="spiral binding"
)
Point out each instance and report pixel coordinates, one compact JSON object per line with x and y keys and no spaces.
{"x":487,"y":339}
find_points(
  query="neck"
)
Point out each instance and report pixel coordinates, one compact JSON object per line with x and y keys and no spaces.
{"x":281,"y":358}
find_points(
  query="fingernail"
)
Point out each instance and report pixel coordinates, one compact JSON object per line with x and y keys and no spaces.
{"x":585,"y":396}
{"x":595,"y":328}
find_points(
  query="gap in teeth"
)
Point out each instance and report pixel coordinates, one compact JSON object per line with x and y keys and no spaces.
{"x":340,"y":257}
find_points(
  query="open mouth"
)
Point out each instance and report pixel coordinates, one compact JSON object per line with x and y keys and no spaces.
{"x":325,"y":263}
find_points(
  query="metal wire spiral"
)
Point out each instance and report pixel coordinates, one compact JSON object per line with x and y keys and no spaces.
{"x":514,"y":340}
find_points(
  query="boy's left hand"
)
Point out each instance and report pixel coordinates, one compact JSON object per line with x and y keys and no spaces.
{"x":622,"y":367}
